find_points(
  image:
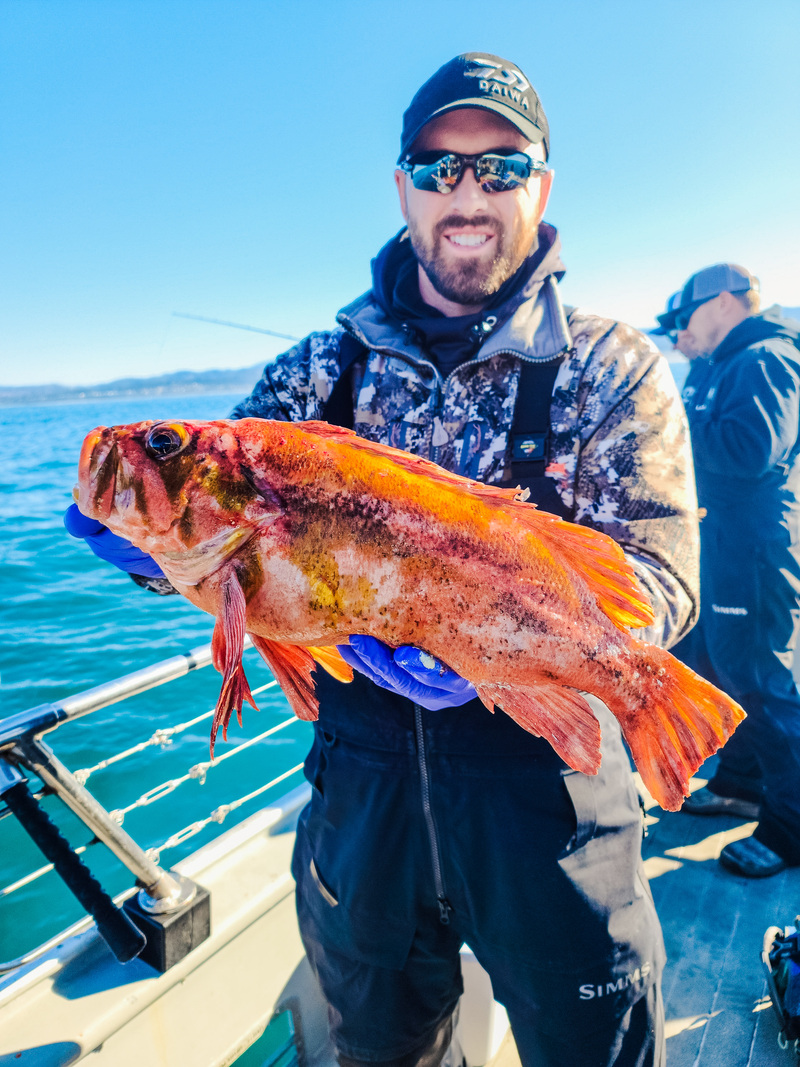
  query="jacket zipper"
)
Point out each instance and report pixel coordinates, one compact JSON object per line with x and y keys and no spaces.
{"x":434,"y":451}
{"x":440,"y":383}
{"x":427,"y":810}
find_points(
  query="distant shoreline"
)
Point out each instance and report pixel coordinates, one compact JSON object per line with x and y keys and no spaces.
{"x":87,"y":397}
{"x":180,"y":383}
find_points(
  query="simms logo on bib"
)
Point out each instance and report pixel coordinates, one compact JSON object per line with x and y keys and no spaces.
{"x":591,"y":990}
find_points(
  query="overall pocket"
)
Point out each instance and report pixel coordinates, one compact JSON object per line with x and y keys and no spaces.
{"x":356,"y":854}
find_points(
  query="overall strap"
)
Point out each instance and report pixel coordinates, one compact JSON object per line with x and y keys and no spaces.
{"x":530,"y":435}
{"x":530,"y":431}
{"x":338,"y":409}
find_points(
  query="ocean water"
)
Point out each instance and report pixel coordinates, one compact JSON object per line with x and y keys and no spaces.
{"x":69,"y":622}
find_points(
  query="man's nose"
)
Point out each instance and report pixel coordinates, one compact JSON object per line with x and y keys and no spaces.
{"x":468,"y":196}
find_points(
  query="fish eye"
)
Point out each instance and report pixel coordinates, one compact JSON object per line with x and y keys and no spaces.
{"x":166,"y":440}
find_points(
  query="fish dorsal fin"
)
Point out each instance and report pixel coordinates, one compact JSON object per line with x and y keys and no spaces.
{"x":413,"y":464}
{"x":327,"y":429}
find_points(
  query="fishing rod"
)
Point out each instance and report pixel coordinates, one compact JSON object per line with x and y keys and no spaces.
{"x":235,"y":325}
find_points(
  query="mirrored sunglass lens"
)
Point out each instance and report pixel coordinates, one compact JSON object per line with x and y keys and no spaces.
{"x":497,"y":174}
{"x":440,"y":175}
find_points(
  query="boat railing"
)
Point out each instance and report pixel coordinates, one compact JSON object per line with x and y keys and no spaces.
{"x":143,"y":925}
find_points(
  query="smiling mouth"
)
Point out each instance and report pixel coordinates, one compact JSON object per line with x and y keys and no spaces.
{"x":468,"y":240}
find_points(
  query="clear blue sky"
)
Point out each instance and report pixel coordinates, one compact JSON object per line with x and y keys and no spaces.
{"x":234,"y":159}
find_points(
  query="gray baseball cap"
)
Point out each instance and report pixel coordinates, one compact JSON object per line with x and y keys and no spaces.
{"x":705,"y":285}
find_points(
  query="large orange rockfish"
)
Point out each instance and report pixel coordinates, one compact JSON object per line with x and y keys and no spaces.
{"x":301,"y":534}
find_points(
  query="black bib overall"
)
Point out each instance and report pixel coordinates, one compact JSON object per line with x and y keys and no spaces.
{"x":429,"y":829}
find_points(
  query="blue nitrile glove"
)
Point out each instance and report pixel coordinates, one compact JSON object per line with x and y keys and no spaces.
{"x":408,"y":671}
{"x":108,"y":546}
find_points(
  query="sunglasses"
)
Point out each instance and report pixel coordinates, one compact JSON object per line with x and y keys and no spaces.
{"x":683,"y":316}
{"x":495,"y":172}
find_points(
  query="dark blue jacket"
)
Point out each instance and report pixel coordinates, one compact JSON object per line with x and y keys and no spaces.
{"x":743,"y":405}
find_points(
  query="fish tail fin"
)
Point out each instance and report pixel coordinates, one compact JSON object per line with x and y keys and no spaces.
{"x":227,"y":646}
{"x":330,"y":659}
{"x":292,"y":666}
{"x":681,"y":721}
{"x":558,"y":714}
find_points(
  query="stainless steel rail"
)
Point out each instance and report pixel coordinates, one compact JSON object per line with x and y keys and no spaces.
{"x":6,"y":966}
{"x":20,"y":744}
{"x":46,"y":717}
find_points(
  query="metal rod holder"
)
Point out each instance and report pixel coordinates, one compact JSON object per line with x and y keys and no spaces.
{"x":156,"y":882}
{"x":171,"y":909}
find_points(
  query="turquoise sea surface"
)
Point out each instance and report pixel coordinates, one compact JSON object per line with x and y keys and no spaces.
{"x":69,"y":622}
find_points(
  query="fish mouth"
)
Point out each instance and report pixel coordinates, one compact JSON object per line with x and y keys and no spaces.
{"x":97,"y":474}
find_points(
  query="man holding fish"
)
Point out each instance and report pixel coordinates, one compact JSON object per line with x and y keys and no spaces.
{"x":433,"y":822}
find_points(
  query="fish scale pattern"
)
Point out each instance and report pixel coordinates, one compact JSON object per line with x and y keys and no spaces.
{"x":619,"y":453}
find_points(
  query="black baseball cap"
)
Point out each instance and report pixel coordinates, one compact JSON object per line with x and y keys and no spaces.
{"x":477,"y":79}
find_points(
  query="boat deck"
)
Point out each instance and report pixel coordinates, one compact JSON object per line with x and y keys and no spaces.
{"x":718,"y":1013}
{"x":717,"y":1008}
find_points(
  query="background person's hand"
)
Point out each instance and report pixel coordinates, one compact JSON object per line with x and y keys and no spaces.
{"x":408,"y":671}
{"x":108,"y":546}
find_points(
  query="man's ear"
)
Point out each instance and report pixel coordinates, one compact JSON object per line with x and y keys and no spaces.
{"x":727,"y":301}
{"x":545,"y":185}
{"x":400,"y":182}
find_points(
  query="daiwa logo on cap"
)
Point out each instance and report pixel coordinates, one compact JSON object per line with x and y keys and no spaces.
{"x":504,"y":81}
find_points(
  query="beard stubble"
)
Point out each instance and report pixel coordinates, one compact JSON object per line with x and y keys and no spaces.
{"x":470,"y":282}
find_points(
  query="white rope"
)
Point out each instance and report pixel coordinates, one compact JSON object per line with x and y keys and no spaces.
{"x":218,"y":815}
{"x":162,"y":737}
{"x":198,"y":772}
{"x":7,"y":890}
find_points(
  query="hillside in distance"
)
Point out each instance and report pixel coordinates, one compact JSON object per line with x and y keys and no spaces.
{"x":181,"y":383}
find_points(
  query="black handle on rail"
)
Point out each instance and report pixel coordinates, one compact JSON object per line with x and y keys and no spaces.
{"x":124,"y":939}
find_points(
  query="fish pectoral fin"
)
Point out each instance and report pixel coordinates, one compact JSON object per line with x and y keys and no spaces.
{"x":558,"y":714}
{"x":292,"y":666}
{"x":227,"y":646}
{"x":602,"y":564}
{"x":330,"y":659}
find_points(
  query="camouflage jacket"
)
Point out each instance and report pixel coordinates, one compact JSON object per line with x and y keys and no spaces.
{"x":619,"y":449}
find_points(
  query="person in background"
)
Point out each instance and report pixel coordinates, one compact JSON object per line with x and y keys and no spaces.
{"x":742,"y":397}
{"x":433,"y":822}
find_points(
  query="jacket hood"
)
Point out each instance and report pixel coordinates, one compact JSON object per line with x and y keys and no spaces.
{"x":765,"y":327}
{"x":524,"y":316}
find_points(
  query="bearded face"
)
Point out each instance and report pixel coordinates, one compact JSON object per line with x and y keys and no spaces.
{"x":472,"y":278}
{"x":470,"y":240}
